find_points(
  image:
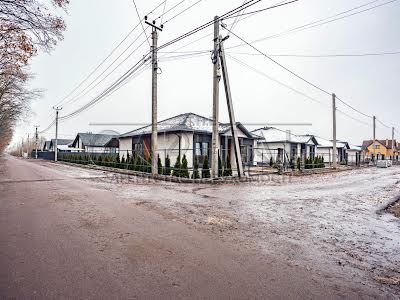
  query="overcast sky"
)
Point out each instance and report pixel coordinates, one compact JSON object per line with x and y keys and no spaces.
{"x":95,"y":27}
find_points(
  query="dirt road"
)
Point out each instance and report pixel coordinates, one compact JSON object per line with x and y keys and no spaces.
{"x":67,"y":233}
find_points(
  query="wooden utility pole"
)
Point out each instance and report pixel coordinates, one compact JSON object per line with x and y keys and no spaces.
{"x":230,"y":108}
{"x":154,"y":133}
{"x":57,"y":109}
{"x":334,"y":155}
{"x":216,"y":79}
{"x":374,"y":138}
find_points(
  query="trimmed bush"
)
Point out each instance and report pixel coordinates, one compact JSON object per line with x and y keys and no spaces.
{"x":196,"y":173}
{"x":167,"y":169}
{"x":160,"y":167}
{"x":205,"y":172}
{"x":228,"y":168}
{"x":177,"y":167}
{"x":184,"y":168}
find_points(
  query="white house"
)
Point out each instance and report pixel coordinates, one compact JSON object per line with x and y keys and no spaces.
{"x":354,"y":155}
{"x":187,"y":134}
{"x":325,"y":149}
{"x":281,"y":145}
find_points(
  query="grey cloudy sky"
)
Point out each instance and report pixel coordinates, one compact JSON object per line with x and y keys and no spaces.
{"x":370,"y":83}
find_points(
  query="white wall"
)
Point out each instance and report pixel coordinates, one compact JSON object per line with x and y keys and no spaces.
{"x":125,"y":146}
{"x":168,"y":144}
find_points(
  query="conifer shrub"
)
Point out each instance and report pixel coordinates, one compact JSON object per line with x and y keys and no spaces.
{"x":228,"y":169}
{"x":220,"y":167}
{"x":177,"y":167}
{"x":160,"y":167}
{"x":184,"y":167}
{"x":196,"y":173}
{"x":167,"y":169}
{"x":205,"y":172}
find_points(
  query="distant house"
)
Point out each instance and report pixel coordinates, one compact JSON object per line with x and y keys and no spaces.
{"x":62,"y":145}
{"x":191,"y":135}
{"x":100,"y":143}
{"x":354,"y":155}
{"x":325,"y":149}
{"x":382,"y":149}
{"x":282,"y":145}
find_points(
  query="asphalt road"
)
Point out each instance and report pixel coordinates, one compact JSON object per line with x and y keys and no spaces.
{"x":61,"y":238}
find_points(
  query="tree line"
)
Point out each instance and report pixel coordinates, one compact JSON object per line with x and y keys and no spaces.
{"x":26,"y":27}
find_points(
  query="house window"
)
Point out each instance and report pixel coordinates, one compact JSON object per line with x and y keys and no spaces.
{"x":247,"y":153}
{"x":201,"y":150}
{"x":138,"y":149}
{"x":377,"y":146}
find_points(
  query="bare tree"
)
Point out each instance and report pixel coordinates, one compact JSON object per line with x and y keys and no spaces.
{"x":26,"y":26}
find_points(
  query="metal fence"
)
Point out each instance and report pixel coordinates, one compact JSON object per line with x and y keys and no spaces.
{"x":196,"y":164}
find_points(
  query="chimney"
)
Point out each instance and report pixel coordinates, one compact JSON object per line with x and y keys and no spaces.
{"x":387,"y":143}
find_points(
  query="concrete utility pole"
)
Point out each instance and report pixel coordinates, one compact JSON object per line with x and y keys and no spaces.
{"x":154,"y":133}
{"x":374,"y":138}
{"x":36,"y":140}
{"x":216,"y":79}
{"x":230,"y":108}
{"x":334,"y":155}
{"x":393,"y":145}
{"x":27,"y":148}
{"x":57,"y":109}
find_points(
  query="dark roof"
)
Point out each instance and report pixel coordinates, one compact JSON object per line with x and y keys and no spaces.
{"x":61,"y":142}
{"x":94,"y":140}
{"x":188,"y":122}
{"x":368,"y":143}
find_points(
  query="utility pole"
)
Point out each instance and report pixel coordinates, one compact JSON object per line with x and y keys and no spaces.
{"x":334,"y":155}
{"x":36,"y":140}
{"x":393,"y":145}
{"x":230,"y":107}
{"x":28,"y":147}
{"x":154,"y":146}
{"x":57,"y":109}
{"x":216,"y":80}
{"x":374,"y":139}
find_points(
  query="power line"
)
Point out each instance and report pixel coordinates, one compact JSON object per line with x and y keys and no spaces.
{"x":292,"y":89}
{"x":275,"y":80}
{"x":107,"y":57}
{"x":321,"y":55}
{"x":141,"y":23}
{"x":316,"y":23}
{"x":383,"y":124}
{"x":296,"y":75}
{"x":89,"y":88}
{"x":162,"y":15}
{"x":207,"y":24}
{"x":264,"y":9}
{"x":110,"y":89}
{"x":277,"y":63}
{"x":353,"y":108}
{"x":166,"y":12}
{"x":183,"y":11}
